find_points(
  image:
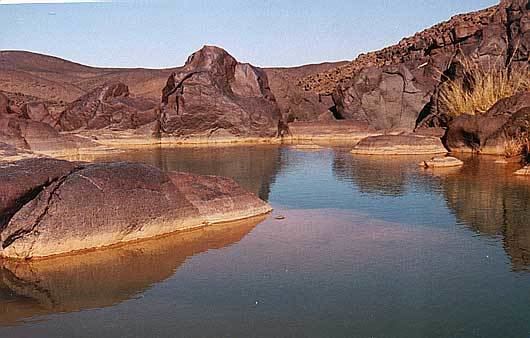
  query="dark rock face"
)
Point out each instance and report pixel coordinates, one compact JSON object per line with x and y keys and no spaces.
{"x":397,"y":86}
{"x":385,"y":98}
{"x":213,"y":95}
{"x":25,"y":179}
{"x":296,"y":103}
{"x":98,"y":205}
{"x":507,"y":119}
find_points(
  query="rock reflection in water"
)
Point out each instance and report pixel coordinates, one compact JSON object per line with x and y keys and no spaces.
{"x":492,"y":201}
{"x":106,"y":277}
{"x":380,"y":175}
{"x":254,"y":168}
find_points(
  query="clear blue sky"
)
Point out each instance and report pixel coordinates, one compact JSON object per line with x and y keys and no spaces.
{"x":163,"y":33}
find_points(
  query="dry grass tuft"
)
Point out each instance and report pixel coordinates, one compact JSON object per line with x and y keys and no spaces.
{"x":482,"y":88}
{"x":514,"y":147}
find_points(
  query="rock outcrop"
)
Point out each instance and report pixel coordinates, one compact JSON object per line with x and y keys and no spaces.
{"x":295,"y":103}
{"x":397,"y":87}
{"x":214,"y":96}
{"x":99,"y":205}
{"x":107,"y":106}
{"x":508,"y":120}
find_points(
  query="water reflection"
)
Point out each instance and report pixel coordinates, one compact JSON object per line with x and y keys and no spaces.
{"x":484,"y":196}
{"x":103,"y":278}
{"x":255,"y":168}
{"x":489,"y":199}
{"x":379,"y":175}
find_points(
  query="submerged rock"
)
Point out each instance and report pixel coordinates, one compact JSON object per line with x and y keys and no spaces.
{"x":442,"y":162}
{"x":405,"y":144}
{"x":97,"y":205}
{"x":524,"y":171}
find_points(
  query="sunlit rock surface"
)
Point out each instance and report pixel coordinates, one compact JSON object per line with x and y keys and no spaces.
{"x":97,"y":205}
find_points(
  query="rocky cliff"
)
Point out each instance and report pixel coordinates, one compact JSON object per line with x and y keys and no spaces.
{"x":396,"y":87}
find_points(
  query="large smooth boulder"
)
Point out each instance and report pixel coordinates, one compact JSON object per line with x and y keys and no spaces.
{"x":23,"y":180}
{"x":214,"y":96}
{"x":104,"y":204}
{"x":103,"y":278}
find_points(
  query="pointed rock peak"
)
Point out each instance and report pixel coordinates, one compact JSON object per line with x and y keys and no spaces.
{"x":209,"y":57}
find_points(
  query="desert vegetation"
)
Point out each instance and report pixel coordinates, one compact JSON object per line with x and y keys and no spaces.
{"x":481,"y":87}
{"x":517,"y":146}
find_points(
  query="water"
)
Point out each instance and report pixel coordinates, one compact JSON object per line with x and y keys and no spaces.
{"x":370,"y":247}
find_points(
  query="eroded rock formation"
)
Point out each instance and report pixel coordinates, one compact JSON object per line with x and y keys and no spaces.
{"x":213,"y":95}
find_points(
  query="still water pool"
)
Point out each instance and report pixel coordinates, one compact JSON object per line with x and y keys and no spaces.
{"x":369,"y":247}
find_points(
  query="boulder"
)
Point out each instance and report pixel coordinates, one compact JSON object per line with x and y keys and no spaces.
{"x":404,"y":144}
{"x":109,"y":203}
{"x":295,"y":103}
{"x":385,"y":98}
{"x":508,"y":119}
{"x":25,"y":179}
{"x":35,"y":136}
{"x":36,"y":111}
{"x":442,"y":162}
{"x":214,"y":96}
{"x":104,"y":278}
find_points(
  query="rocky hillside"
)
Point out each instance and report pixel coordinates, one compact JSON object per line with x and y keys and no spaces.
{"x":396,"y":88}
{"x":415,"y":47}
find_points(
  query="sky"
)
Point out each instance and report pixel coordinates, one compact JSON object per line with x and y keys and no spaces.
{"x":163,"y":33}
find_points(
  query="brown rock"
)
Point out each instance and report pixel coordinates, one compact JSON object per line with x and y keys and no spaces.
{"x":104,"y":204}
{"x":404,"y":144}
{"x":370,"y":89}
{"x":23,"y":180}
{"x":488,"y":133}
{"x":442,"y":162}
{"x":102,"y":278}
{"x":109,"y":105}
{"x":213,"y":95}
